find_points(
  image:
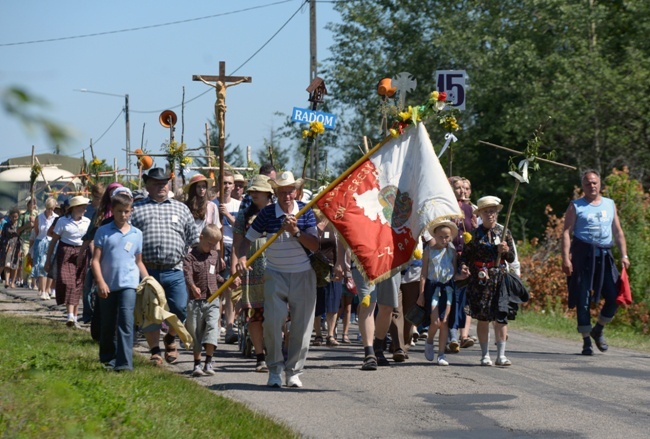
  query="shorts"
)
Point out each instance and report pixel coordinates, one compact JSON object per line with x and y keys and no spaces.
{"x":363,"y":289}
{"x":203,"y":322}
{"x":388,"y":291}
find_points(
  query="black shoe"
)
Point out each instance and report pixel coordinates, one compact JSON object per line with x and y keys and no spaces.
{"x":587,"y":350}
{"x":369,"y":363}
{"x":381,"y":359}
{"x":601,"y":343}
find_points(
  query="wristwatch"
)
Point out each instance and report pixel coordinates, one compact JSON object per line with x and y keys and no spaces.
{"x":297,"y":234}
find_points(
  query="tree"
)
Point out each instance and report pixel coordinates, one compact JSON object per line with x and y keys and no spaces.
{"x":233,"y":155}
{"x":281,"y":159}
{"x":579,"y":68}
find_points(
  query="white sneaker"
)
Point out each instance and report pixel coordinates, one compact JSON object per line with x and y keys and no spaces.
{"x":208,"y":370}
{"x":44,"y":296}
{"x":70,"y":323}
{"x":429,"y":353}
{"x":485,"y":361}
{"x":198,"y":372}
{"x":294,"y":381}
{"x":275,"y":380}
{"x":442,"y":361}
{"x":52,"y":294}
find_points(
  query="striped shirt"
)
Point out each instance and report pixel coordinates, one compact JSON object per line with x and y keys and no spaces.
{"x":285,"y":254}
{"x":168,"y":230}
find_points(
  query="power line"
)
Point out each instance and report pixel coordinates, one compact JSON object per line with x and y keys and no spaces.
{"x":234,"y":71}
{"x":110,"y":126}
{"x":134,"y":29}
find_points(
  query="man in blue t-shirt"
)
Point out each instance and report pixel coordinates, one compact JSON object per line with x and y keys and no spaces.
{"x":587,"y":260}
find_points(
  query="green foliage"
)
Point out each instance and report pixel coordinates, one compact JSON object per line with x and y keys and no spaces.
{"x":633,"y":206}
{"x":233,"y":155}
{"x":586,"y":65}
{"x":54,"y":386}
{"x":24,"y":106}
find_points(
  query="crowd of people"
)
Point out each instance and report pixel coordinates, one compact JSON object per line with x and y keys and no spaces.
{"x":188,"y":243}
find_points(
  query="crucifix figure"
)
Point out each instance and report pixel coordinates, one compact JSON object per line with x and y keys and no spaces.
{"x":221,"y":83}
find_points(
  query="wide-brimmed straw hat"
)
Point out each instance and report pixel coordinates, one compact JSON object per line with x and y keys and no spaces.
{"x":286,"y":179}
{"x":196,"y":179}
{"x":446,"y":223}
{"x":260,"y":183}
{"x":488,"y":201}
{"x":156,"y":174}
{"x":78,"y":201}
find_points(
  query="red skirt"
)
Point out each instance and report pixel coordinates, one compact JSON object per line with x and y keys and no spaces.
{"x":69,"y":277}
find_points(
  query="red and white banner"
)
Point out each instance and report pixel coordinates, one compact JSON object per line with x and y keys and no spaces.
{"x":383,"y":206}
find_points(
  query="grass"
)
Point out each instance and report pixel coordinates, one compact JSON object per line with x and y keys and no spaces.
{"x":555,"y":323}
{"x":54,"y":386}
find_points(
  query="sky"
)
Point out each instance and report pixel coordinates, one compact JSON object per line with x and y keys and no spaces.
{"x":152,"y":65}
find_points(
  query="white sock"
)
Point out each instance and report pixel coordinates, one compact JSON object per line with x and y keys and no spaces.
{"x":501,"y":349}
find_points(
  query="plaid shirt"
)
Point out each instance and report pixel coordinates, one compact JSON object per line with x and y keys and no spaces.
{"x":202,"y":270}
{"x":168,"y":230}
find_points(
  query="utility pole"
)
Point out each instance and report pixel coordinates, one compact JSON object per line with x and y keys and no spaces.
{"x":313,"y":72}
{"x":128,"y":137}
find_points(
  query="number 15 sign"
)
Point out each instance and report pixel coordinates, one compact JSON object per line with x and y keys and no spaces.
{"x":452,"y":82}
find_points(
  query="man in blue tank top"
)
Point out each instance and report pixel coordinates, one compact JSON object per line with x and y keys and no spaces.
{"x":587,"y":259}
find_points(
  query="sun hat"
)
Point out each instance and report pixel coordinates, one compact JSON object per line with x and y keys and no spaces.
{"x":286,"y":179}
{"x":239,"y":178}
{"x":78,"y":201}
{"x":156,"y":174}
{"x":196,"y":179}
{"x":446,"y":223}
{"x":260,"y":183}
{"x":488,"y":201}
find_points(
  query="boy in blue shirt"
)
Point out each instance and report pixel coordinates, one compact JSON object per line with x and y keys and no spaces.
{"x":117,"y":267}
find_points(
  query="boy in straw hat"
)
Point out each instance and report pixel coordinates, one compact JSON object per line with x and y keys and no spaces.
{"x":437,"y":284}
{"x":290,"y":280}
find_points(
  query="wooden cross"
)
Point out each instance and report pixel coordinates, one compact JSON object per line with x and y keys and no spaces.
{"x":221,"y":83}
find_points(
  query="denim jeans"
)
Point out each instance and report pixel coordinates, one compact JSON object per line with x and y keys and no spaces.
{"x":87,"y":312}
{"x":173,"y":282}
{"x":116,"y":347}
{"x":608,"y":293}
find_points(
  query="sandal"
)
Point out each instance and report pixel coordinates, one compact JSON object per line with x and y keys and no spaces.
{"x":345,"y":339}
{"x":318,"y":340}
{"x":331,"y":342}
{"x":369,"y":363}
{"x":171,"y":353}
{"x":156,"y":360}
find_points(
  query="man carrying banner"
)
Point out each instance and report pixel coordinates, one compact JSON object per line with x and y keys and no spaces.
{"x":290,"y":281}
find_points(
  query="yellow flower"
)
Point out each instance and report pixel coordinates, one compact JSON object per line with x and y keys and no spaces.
{"x":316,"y":128}
{"x":434,"y":96}
{"x":394,"y":132}
{"x":406,"y":115}
{"x":467,"y":237}
{"x":305,"y":133}
{"x":186,"y":161}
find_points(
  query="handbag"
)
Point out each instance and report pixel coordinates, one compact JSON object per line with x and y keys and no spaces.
{"x":415,"y":315}
{"x":624,"y":296}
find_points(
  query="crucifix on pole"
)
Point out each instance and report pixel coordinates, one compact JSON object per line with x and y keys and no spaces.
{"x":221,"y":83}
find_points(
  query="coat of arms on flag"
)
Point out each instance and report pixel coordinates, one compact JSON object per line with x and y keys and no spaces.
{"x":384,"y":205}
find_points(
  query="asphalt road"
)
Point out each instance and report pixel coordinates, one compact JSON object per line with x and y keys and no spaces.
{"x":549,"y":391}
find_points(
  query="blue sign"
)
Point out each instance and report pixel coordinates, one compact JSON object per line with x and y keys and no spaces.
{"x":307,"y":116}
